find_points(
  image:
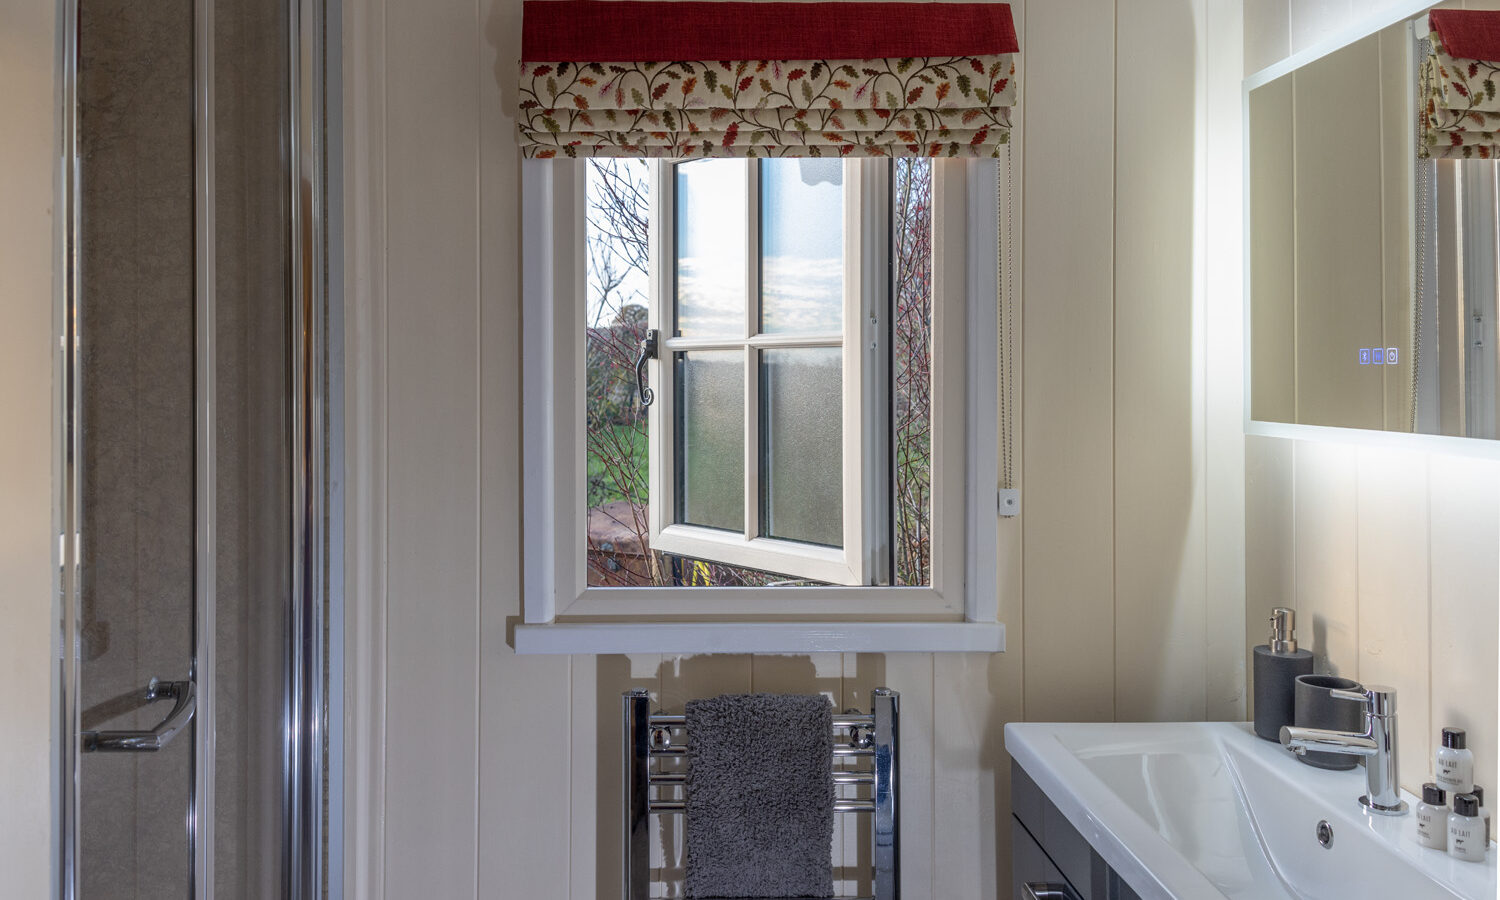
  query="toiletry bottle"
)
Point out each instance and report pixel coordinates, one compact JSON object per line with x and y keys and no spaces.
{"x":1484,"y":811}
{"x":1277,"y":665}
{"x":1466,"y":830}
{"x":1455,"y":762}
{"x":1432,"y":818}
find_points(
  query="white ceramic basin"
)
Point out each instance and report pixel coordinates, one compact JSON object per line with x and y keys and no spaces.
{"x":1207,"y":809}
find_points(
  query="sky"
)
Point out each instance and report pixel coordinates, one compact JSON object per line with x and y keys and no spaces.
{"x":802,"y":244}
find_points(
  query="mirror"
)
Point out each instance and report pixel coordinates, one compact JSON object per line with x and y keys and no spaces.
{"x":1372,"y":274}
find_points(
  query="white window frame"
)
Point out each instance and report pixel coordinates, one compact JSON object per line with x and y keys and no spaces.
{"x":956,"y":612}
{"x":866,"y":229}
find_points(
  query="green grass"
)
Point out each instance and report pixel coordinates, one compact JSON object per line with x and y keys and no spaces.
{"x":602,"y":485}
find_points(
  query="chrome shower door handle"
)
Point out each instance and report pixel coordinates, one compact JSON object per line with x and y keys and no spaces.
{"x":148,"y":741}
{"x":1036,"y":890}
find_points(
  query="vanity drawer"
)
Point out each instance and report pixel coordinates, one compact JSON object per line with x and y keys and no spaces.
{"x":1042,"y":829}
{"x":1030,"y":865}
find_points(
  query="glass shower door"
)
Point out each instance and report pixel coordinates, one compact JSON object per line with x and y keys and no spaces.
{"x":137,"y":435}
{"x":196,"y":631}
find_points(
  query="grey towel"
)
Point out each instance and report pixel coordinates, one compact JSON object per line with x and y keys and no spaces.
{"x":759,"y":818}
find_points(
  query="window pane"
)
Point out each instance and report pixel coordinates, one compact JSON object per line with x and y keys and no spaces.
{"x":802,"y":246}
{"x":712,"y":234}
{"x":711,"y":439}
{"x":911,"y":368}
{"x":802,"y":482}
{"x":617,"y":237}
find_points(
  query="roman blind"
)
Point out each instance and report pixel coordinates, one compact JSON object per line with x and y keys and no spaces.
{"x":682,"y":78}
{"x":1460,"y":109}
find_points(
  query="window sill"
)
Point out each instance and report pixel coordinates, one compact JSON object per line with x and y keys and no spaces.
{"x":761,"y":637}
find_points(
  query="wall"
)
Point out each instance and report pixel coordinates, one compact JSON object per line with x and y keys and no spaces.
{"x":481,"y":773}
{"x":1391,"y":557}
{"x":28,"y":145}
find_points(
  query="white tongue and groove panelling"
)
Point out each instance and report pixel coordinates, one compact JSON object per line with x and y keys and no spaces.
{"x":28,"y":470}
{"x":1390,"y":559}
{"x":487,"y":774}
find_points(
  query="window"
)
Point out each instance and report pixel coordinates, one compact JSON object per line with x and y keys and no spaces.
{"x":820,"y":446}
{"x":768,"y":443}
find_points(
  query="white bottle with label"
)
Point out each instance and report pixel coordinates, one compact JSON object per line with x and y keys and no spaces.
{"x":1432,"y":818}
{"x":1466,"y":830}
{"x":1455,"y":762}
{"x":1484,"y":812}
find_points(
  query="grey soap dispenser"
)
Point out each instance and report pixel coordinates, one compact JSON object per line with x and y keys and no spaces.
{"x":1278,"y":662}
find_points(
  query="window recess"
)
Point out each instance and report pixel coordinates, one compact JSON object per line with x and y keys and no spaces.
{"x":954,"y":609}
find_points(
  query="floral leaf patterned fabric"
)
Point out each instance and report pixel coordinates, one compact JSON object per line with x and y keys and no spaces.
{"x":1460,"y":109}
{"x":955,"y":104}
{"x":949,"y":106}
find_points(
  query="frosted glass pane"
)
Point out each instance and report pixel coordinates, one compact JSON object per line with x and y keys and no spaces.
{"x":802,"y":246}
{"x":713,"y":232}
{"x":802,"y":445}
{"x":711,"y":439}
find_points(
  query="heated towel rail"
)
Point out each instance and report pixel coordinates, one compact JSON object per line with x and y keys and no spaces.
{"x":864,"y":756}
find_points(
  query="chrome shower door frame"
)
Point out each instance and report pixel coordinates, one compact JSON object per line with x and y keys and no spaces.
{"x":314,"y":690}
{"x":205,"y":474}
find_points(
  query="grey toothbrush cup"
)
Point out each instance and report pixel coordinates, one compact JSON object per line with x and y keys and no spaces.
{"x":1314,"y":706}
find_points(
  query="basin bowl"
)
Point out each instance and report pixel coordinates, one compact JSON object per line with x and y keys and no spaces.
{"x":1207,"y":809}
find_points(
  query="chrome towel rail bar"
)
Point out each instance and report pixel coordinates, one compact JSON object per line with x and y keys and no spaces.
{"x":838,"y":778}
{"x":839,"y":806}
{"x":837,"y":751}
{"x":841,"y":720}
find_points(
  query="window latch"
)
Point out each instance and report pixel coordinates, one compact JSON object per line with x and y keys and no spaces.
{"x":648,"y":351}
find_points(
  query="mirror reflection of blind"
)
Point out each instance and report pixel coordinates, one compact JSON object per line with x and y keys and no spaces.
{"x":1475,"y":342}
{"x":1423,"y":409}
{"x":1455,"y":363}
{"x":1459,"y":124}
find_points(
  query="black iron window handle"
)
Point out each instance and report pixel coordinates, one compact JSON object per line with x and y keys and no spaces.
{"x":648,"y":351}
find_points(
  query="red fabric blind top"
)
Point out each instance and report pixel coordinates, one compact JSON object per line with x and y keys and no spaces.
{"x":1468,"y":33}
{"x":682,"y":30}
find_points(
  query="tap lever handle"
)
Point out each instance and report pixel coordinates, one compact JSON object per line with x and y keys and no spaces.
{"x":1379,"y":700}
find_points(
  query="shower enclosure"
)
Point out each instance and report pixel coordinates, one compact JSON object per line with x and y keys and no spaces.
{"x":199,"y":653}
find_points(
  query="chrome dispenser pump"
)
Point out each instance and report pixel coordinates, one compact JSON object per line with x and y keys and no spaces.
{"x":1283,"y":630}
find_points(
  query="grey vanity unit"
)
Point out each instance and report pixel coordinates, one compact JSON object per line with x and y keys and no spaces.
{"x":1050,"y":860}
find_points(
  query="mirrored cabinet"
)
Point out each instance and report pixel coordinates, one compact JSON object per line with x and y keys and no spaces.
{"x":1374,"y":222}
